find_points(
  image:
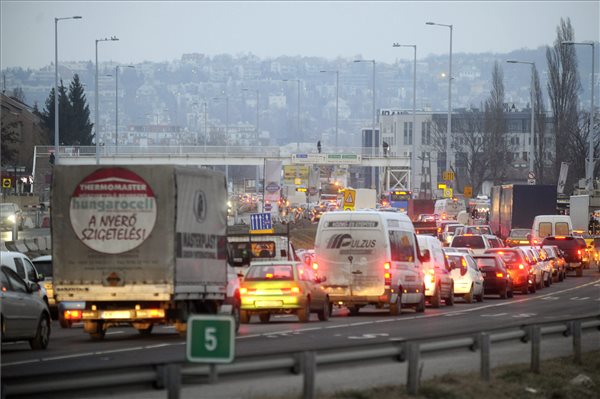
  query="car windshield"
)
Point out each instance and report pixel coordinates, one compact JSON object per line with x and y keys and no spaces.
{"x":452,"y":228}
{"x":270,"y":272}
{"x":468,"y":242}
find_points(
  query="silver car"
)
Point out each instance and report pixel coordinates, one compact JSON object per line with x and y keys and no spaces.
{"x":25,"y":315}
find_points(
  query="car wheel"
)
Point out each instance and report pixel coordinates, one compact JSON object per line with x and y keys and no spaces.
{"x":396,"y":307}
{"x":65,"y":323}
{"x":469,"y":296}
{"x":561,"y":276}
{"x":480,"y":297}
{"x":504,"y":293}
{"x":449,"y":301}
{"x":525,"y":290}
{"x":244,"y":317}
{"x":42,"y":335}
{"x":421,"y":306}
{"x":325,"y":312}
{"x":533,"y":287}
{"x":146,"y":331}
{"x":354,"y":310}
{"x":236,"y":315}
{"x":548,"y":281}
{"x":436,"y":299}
{"x":264,"y":317}
{"x":304,"y":313}
{"x":539,"y":284}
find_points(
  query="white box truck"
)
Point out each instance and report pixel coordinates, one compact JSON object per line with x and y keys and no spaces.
{"x":139,"y":244}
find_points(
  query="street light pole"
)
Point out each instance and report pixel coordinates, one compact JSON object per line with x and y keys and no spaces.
{"x":589,"y":178}
{"x":117,"y":105}
{"x":337,"y":98}
{"x":532,"y":123}
{"x":205,"y":124}
{"x":449,"y":122}
{"x":56,"y":98}
{"x":256,"y":138}
{"x":298,"y":138}
{"x":373,"y":185}
{"x":96,"y":124}
{"x":414,"y":129}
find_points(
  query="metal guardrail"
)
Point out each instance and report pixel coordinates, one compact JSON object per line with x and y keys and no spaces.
{"x":171,"y":376}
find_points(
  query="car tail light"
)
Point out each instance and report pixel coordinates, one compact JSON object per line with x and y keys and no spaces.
{"x":579,"y":252}
{"x":521,"y":267}
{"x":499,"y":275}
{"x":315,"y":266}
{"x":559,"y":237}
{"x":292,"y":290}
{"x":72,"y":314}
{"x":243,"y":290}
{"x":269,"y":275}
{"x":387,"y":265}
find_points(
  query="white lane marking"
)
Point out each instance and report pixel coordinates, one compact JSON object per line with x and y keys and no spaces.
{"x":368,"y":336}
{"x":135,"y":348}
{"x":576,"y":298}
{"x":384,"y":320}
{"x":22,"y":362}
{"x":338,"y":326}
{"x":494,"y":315}
{"x":550,"y":298}
{"x":453,"y":314}
{"x":67,"y":356}
{"x":525,"y":315}
{"x":397,"y":339}
{"x":156,"y":346}
{"x":114,"y":332}
{"x":362,"y":323}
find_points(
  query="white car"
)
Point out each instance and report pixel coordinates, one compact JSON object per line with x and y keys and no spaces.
{"x":468,"y":280}
{"x":23,"y":266}
{"x":538,"y":267}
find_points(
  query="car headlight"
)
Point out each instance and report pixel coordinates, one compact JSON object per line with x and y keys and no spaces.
{"x":12,"y":218}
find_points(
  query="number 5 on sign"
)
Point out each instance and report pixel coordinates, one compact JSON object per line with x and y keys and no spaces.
{"x":210,"y":339}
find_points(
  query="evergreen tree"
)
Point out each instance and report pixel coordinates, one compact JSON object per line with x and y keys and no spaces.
{"x":9,"y":137}
{"x":81,"y":127}
{"x":75,"y":127}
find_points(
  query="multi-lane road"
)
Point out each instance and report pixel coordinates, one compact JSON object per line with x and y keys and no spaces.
{"x":72,"y":349}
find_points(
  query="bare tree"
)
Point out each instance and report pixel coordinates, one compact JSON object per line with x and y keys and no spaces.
{"x":494,"y":130}
{"x":563,"y":86}
{"x":540,"y":128}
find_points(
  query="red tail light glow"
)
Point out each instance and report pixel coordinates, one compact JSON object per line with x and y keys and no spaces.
{"x":315,"y":265}
{"x":386,"y":265}
{"x":72,"y":314}
{"x":499,"y":275}
{"x":521,"y":267}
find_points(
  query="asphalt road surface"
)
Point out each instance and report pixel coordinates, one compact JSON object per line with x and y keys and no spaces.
{"x":72,"y":349}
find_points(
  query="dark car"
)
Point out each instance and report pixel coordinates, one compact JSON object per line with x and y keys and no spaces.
{"x":521,"y":272}
{"x":496,"y":278}
{"x":518,"y":237}
{"x":572,"y":250}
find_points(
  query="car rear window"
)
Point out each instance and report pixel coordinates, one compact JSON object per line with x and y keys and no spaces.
{"x":270,"y":272}
{"x":486,"y":264}
{"x":44,"y":267}
{"x":519,"y":233}
{"x":452,"y":228}
{"x":509,"y":256}
{"x":561,"y":242}
{"x":468,"y":242}
{"x":478,"y":230}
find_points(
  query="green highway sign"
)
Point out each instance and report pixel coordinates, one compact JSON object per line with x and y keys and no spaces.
{"x":210,"y":339}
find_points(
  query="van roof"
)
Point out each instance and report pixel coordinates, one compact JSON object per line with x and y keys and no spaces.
{"x":402,"y":218}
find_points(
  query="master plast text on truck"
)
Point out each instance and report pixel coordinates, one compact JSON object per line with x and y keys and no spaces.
{"x":139,"y":244}
{"x":370,"y":258}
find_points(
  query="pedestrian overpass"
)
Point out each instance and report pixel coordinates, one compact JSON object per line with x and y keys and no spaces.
{"x":397,"y":169}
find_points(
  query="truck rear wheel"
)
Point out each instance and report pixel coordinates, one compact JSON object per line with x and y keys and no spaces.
{"x":97,"y":333}
{"x":264,"y":317}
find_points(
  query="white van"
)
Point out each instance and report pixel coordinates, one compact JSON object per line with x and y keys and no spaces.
{"x":449,"y":208}
{"x":550,"y":225}
{"x":370,"y":258}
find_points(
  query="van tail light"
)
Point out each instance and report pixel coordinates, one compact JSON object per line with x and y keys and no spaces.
{"x":387,"y":276}
{"x":499,"y":275}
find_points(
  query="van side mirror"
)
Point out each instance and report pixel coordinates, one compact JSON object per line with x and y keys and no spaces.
{"x":425,"y":256}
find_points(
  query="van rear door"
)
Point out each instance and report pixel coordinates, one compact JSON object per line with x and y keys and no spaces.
{"x":351,"y":252}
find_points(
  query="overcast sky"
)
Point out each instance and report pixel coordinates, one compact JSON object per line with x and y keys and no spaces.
{"x":163,"y":31}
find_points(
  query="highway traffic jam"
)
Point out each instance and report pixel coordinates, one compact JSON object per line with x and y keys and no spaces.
{"x":390,"y":256}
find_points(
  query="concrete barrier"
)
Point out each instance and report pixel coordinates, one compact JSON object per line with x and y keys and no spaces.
{"x":34,"y":246}
{"x":31,"y":244}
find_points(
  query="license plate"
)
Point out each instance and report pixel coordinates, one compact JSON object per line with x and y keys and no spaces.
{"x":268,"y":304}
{"x":116,"y":314}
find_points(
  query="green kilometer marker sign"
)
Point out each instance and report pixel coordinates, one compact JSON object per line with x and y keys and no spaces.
{"x":210,"y":339}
